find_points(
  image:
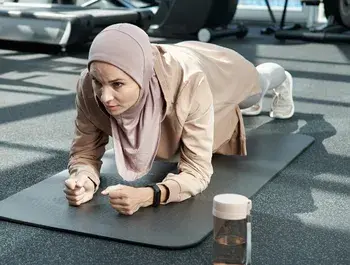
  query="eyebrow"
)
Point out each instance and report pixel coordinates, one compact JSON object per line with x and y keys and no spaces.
{"x":110,"y":81}
{"x":115,"y":80}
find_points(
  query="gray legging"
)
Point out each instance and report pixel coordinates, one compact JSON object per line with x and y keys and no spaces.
{"x":271,"y":75}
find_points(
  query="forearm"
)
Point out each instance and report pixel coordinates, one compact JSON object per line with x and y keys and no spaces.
{"x":178,"y":187}
{"x":186,"y":185}
{"x":87,"y":158}
{"x":195,"y":168}
{"x":88,"y":144}
{"x":87,"y":161}
{"x":87,"y":149}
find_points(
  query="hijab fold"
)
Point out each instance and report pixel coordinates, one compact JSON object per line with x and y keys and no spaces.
{"x":135,"y":132}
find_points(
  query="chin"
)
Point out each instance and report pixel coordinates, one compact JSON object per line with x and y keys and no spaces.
{"x":115,"y":112}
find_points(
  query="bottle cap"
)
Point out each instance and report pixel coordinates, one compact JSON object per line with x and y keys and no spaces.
{"x":231,"y":206}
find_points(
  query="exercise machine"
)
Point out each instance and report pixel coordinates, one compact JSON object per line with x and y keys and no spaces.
{"x":174,"y":18}
{"x":65,"y":24}
{"x":202,"y":19}
{"x":127,"y":4}
{"x":335,"y":30}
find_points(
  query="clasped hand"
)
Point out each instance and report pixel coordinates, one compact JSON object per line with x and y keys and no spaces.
{"x":124,"y":199}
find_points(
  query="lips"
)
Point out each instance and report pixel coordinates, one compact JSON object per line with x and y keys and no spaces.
{"x":112,"y":107}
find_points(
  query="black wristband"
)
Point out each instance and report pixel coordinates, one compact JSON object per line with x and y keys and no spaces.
{"x":156,"y":194}
{"x":167,"y":193}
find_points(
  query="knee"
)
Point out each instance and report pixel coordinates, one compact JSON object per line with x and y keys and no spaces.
{"x":274,"y":73}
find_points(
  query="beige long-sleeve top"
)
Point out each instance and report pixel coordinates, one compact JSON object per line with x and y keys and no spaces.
{"x":202,"y":85}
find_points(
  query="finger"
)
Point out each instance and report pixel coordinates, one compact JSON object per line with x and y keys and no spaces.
{"x":117,"y":194}
{"x":119,"y":201}
{"x":86,"y":197}
{"x":119,"y":205}
{"x":124,"y":211}
{"x":75,"y":198}
{"x":111,"y":188}
{"x":120,"y":208}
{"x":128,"y":212}
{"x":75,"y":192}
{"x":76,"y":203}
{"x":70,"y":183}
{"x":131,"y":210}
{"x":81,"y":180}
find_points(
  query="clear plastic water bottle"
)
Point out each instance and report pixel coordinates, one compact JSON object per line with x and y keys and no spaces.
{"x":232,"y":230}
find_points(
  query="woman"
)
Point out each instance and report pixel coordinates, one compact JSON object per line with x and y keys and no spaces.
{"x":160,"y":101}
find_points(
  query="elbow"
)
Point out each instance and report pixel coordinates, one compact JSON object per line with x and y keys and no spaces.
{"x":186,"y":185}
{"x":205,"y":181}
{"x":203,"y":176}
{"x":198,"y":177}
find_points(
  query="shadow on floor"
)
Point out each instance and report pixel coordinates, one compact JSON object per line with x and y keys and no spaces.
{"x":24,"y":176}
{"x":290,"y":194}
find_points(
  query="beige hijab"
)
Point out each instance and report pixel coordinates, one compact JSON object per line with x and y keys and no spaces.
{"x":136,"y":132}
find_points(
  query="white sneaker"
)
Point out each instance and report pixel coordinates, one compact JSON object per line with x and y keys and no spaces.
{"x":282,"y":106}
{"x":253,"y":110}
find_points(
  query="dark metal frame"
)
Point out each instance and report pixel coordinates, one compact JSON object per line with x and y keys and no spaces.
{"x":274,"y":28}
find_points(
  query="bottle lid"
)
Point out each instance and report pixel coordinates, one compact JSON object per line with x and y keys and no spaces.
{"x":231,"y":206}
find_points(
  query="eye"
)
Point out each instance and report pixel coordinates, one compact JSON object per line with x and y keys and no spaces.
{"x":95,"y":81}
{"x":117,"y":84}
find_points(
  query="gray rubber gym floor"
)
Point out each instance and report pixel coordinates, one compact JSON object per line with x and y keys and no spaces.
{"x":301,"y":217}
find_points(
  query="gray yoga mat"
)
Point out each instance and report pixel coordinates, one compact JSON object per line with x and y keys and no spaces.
{"x":174,"y":226}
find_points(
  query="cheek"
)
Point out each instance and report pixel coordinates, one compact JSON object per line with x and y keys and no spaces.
{"x":96,"y":90}
{"x":136,"y":93}
{"x":131,"y":94}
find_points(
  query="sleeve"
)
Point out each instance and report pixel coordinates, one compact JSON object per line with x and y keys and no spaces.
{"x":195,"y":167}
{"x":88,"y":145}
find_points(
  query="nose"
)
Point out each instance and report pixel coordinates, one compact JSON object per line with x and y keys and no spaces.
{"x":106,"y":95}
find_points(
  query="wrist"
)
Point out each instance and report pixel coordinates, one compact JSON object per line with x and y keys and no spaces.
{"x":164,"y":192}
{"x":94,"y":183}
{"x":146,"y":197}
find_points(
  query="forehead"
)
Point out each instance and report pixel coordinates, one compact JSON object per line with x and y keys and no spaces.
{"x":105,"y":70}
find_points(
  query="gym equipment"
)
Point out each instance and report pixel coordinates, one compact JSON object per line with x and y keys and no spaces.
{"x":64,"y":25}
{"x":275,"y":27}
{"x":340,"y":10}
{"x":129,"y":4}
{"x":174,"y":226}
{"x":335,"y":30}
{"x":176,"y":19}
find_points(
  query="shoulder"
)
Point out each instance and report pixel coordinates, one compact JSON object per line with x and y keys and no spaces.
{"x":195,"y":97}
{"x":84,"y":88}
{"x":177,"y":69}
{"x":182,"y":80}
{"x":84,"y":81}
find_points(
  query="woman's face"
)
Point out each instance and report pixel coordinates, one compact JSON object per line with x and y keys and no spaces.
{"x":116,"y":90}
